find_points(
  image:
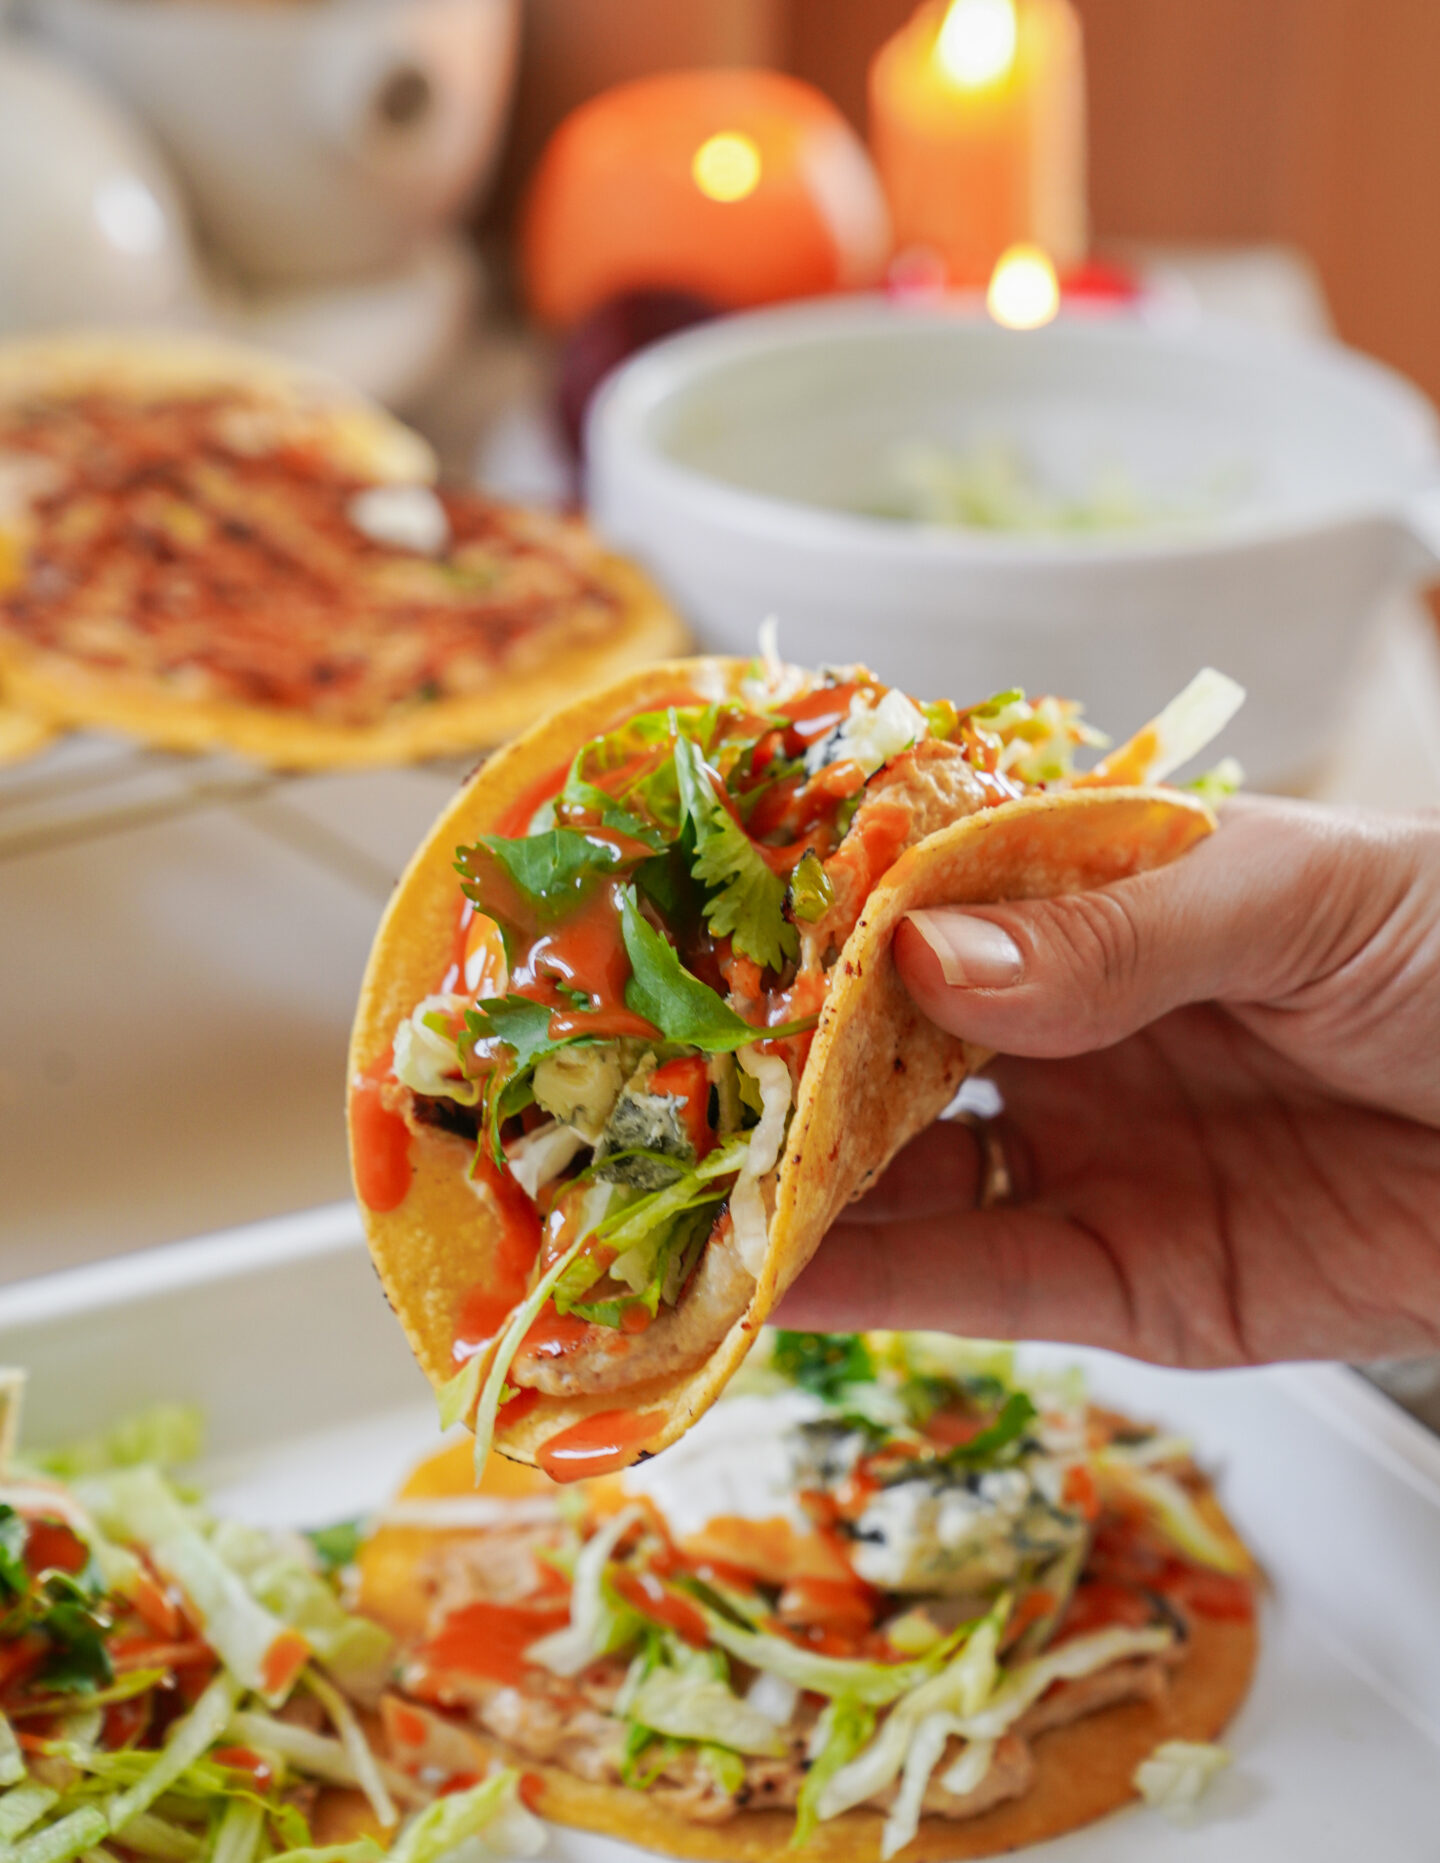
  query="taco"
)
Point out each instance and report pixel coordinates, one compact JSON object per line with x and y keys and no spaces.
{"x":209,"y":547}
{"x":888,"y":1597}
{"x":612,"y":1081}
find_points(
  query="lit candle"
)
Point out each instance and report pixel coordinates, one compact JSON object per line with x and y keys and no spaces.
{"x":1024,"y":291}
{"x":977,"y":125}
{"x":737,"y":187}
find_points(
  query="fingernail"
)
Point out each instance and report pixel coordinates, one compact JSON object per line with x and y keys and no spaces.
{"x":974,"y":954}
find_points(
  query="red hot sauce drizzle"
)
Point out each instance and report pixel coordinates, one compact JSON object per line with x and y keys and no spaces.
{"x":599,"y":1444}
{"x":381,"y":1142}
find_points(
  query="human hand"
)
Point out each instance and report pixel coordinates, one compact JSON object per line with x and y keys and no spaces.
{"x":1224,"y":1133}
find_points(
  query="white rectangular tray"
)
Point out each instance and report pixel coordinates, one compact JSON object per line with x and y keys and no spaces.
{"x":315,"y":1409}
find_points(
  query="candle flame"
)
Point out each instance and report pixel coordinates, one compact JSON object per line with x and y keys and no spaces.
{"x":1024,"y":291}
{"x":727,"y":167}
{"x":977,"y":40}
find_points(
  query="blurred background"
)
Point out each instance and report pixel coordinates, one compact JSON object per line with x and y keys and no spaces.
{"x":475,"y":209}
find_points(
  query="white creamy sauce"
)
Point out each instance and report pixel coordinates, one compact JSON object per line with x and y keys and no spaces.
{"x":405,"y":517}
{"x":734,"y":1461}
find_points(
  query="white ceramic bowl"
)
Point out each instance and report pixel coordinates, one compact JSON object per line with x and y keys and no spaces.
{"x":738,"y":461}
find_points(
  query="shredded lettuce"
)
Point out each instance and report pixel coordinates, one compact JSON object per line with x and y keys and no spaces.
{"x":490,"y":1812}
{"x":1176,"y":1773}
{"x":843,"y":1728}
{"x":1080,"y":1656}
{"x":690,"y":1706}
{"x":165,"y":1435}
{"x":256,"y":1647}
{"x":12,"y":1760}
{"x":960,"y":1690}
{"x":189,"y":1739}
{"x":242,"y":1826}
{"x":502,"y":1354}
{"x":771,"y":1073}
{"x":871,"y":1684}
{"x":355,"y":1651}
{"x":23,"y":1806}
{"x":596,"y":1625}
{"x":1173,"y":1512}
{"x":368,"y":1775}
{"x":66,"y":1837}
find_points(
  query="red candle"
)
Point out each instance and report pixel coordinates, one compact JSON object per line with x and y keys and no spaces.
{"x":977,"y":125}
{"x":737,"y":187}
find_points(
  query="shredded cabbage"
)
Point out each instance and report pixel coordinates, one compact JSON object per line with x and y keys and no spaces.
{"x":1181,"y":731}
{"x":771,"y":1074}
{"x":1176,"y":1773}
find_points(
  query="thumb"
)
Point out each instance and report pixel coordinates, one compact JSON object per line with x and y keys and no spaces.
{"x":1282,"y":895}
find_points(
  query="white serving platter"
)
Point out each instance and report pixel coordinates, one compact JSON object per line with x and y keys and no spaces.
{"x":280,"y":1332}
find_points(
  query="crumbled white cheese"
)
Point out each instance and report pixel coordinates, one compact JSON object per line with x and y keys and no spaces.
{"x":920,"y":1536}
{"x":871,"y":734}
{"x":406,"y":517}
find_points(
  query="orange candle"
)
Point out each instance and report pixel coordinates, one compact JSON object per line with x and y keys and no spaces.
{"x":739,"y":187}
{"x":977,"y":125}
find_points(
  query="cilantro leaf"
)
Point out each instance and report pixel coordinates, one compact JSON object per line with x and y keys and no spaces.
{"x":76,"y":1626}
{"x":823,"y":1363}
{"x":14,"y":1575}
{"x":523,"y":1025}
{"x":586,"y":795}
{"x":682,"y":1007}
{"x":1016,"y":1415}
{"x":337,"y":1546}
{"x":553,"y":871}
{"x":748,"y":902}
